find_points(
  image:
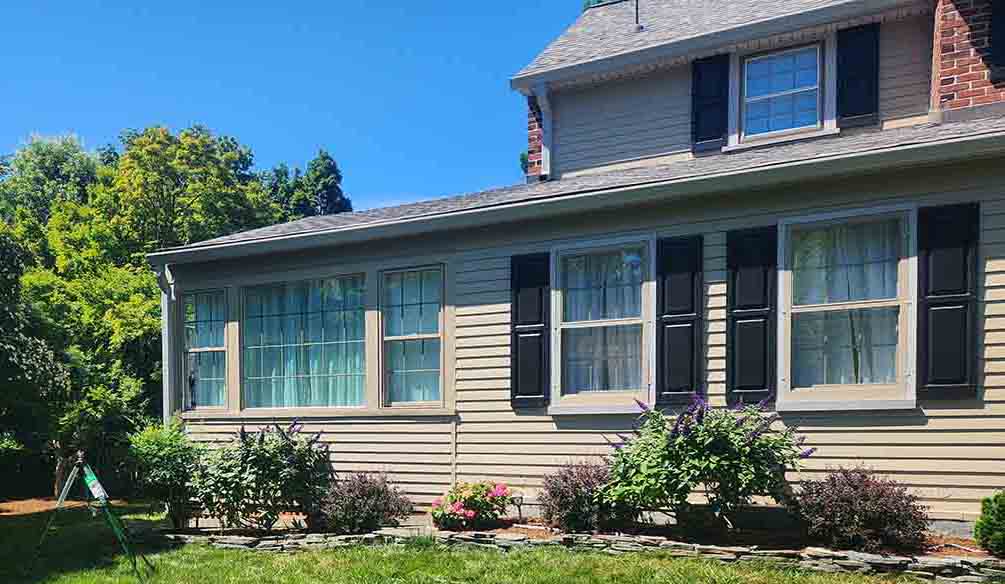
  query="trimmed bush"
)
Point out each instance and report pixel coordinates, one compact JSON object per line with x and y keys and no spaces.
{"x":854,"y":509}
{"x":165,"y":460}
{"x":732,"y":454}
{"x":572,"y":499}
{"x":990,"y":528}
{"x":471,"y":506}
{"x":251,"y":481}
{"x":362,"y":503}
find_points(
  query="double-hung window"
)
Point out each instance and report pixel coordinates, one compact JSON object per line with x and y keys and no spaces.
{"x":305,"y":344}
{"x":846,"y":310}
{"x":205,"y":315}
{"x":601,"y":311}
{"x":782,"y":91}
{"x":411,"y":312}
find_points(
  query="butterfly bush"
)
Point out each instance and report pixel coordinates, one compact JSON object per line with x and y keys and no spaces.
{"x":733,"y":454}
{"x":471,"y":506}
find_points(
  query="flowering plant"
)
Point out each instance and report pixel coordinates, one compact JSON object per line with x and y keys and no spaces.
{"x":733,"y":454}
{"x":471,"y":505}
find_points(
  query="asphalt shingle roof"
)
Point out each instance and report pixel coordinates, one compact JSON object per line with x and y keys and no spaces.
{"x":609,"y":29}
{"x":806,"y":150}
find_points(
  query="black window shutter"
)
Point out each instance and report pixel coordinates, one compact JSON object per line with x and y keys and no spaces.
{"x":680,"y":320}
{"x":997,"y":35}
{"x":750,"y":317}
{"x":947,"y":311}
{"x":709,"y":102}
{"x":530,"y":279}
{"x":858,"y":75}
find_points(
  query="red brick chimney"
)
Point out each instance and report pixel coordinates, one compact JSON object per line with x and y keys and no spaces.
{"x":963,"y":74}
{"x":535,"y":140}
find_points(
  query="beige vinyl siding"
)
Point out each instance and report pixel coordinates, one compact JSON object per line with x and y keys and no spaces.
{"x":415,"y":454}
{"x":905,"y":68}
{"x":951,"y":453}
{"x":621,"y":121}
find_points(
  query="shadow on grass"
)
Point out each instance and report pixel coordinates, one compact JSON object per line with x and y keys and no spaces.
{"x":76,"y":542}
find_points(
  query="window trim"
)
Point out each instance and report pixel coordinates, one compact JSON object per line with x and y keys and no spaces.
{"x":826,"y":87}
{"x":903,"y":394}
{"x":184,"y":352}
{"x":607,"y":402}
{"x":242,"y":292}
{"x":745,"y":100}
{"x":382,"y":372}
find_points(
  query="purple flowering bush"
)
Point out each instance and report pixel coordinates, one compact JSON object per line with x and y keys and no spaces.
{"x":471,"y":506}
{"x":734,"y":455}
{"x":855,"y":509}
{"x":571,"y":499}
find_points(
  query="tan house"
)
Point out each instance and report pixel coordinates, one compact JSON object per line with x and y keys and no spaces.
{"x":797,"y":201}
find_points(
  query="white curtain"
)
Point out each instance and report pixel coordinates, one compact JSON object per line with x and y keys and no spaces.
{"x":603,"y":286}
{"x":607,"y":358}
{"x":845,"y":263}
{"x":205,"y":318}
{"x":304,"y":344}
{"x":411,"y":306}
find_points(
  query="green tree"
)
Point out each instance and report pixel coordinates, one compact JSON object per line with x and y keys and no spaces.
{"x":321,"y":188}
{"x":44,"y":171}
{"x":283,"y":188}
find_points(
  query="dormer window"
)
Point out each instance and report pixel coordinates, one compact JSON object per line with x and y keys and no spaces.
{"x":781,"y":91}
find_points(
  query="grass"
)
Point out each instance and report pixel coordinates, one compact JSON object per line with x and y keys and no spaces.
{"x":83,"y":551}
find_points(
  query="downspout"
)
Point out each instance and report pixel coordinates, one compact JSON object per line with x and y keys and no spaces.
{"x":165,"y":281}
{"x":540,"y":91}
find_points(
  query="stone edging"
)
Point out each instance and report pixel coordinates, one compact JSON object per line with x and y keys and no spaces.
{"x":941,"y":569}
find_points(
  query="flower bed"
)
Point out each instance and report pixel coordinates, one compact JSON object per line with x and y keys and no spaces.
{"x":945,"y":569}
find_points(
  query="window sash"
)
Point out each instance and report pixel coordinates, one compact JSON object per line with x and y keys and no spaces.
{"x":193,"y":314}
{"x":437,"y":298}
{"x":746,"y":100}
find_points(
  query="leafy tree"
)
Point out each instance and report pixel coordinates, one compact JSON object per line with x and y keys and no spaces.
{"x":322,"y":187}
{"x":44,"y":171}
{"x":283,"y":188}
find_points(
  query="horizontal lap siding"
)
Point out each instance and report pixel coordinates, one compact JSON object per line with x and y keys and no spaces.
{"x":637,"y":118}
{"x":905,"y":68}
{"x":416,"y":455}
{"x":951,"y":454}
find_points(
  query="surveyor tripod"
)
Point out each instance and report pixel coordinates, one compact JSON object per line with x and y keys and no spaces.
{"x":100,"y":504}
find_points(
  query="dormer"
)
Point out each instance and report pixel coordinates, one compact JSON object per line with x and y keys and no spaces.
{"x":642,"y":82}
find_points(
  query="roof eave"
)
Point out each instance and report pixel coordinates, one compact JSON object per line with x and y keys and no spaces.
{"x":525,"y":82}
{"x":969,"y":147}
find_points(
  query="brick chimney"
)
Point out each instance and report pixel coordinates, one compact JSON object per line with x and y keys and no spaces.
{"x":535,"y":140}
{"x":963,"y":75}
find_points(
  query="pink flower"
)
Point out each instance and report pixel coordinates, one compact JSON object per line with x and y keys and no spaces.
{"x":457,"y":507}
{"x":437,"y":501}
{"x":500,"y":490}
{"x":469,"y":514}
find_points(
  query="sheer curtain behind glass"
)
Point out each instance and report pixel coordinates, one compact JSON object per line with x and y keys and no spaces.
{"x":205,"y":352}
{"x":304,"y":344}
{"x":848,"y":263}
{"x":598,"y":288}
{"x":411,"y":306}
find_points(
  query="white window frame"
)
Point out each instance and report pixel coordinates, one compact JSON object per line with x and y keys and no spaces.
{"x":903,"y":394}
{"x":243,"y":346}
{"x":607,"y":402}
{"x":185,"y":351}
{"x":827,"y":95}
{"x":385,"y":394}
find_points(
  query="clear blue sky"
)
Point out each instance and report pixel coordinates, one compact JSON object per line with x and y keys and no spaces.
{"x":412,"y":98}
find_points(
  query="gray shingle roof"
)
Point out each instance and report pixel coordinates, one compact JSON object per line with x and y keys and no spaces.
{"x":862,"y":141}
{"x":608,"y":30}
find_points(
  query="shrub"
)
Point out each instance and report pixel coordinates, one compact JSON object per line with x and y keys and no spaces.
{"x":471,"y":506}
{"x":732,"y":453}
{"x":854,"y":509}
{"x":258,"y":476}
{"x":990,"y":529}
{"x":571,"y":499}
{"x":362,"y":503}
{"x":165,"y":459}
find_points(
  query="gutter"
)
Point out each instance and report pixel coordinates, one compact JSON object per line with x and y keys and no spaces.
{"x":708,"y":42}
{"x":968,"y":147}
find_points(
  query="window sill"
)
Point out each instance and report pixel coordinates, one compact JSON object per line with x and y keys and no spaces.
{"x":781,"y":139}
{"x":600,"y":409}
{"x":324,"y":413}
{"x":838,"y":406}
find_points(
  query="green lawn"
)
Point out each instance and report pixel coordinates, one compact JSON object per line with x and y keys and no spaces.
{"x":83,"y":551}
